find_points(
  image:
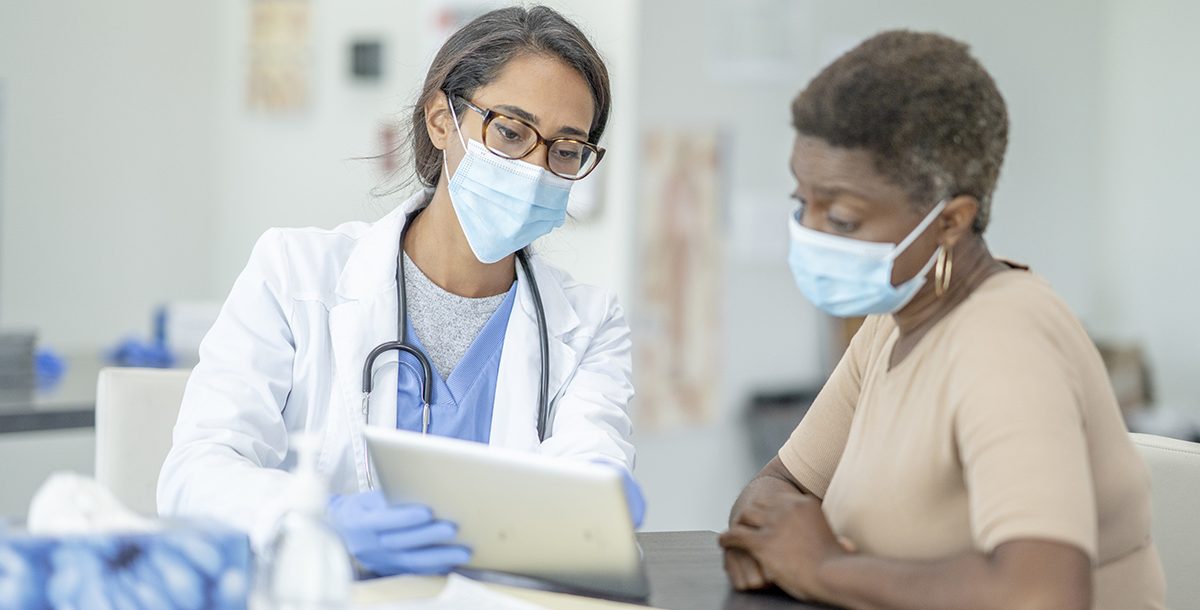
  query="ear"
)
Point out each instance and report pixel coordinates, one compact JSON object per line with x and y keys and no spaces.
{"x":438,"y":121}
{"x":957,"y":220}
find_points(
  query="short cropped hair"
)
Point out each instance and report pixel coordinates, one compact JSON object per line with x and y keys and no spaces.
{"x":922,"y":106}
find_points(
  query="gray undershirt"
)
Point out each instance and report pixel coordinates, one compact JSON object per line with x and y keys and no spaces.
{"x":445,"y":323}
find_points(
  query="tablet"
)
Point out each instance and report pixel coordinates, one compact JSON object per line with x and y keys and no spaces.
{"x":520,"y":513}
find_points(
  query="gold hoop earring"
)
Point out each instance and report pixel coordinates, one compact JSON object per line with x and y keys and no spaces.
{"x":942,"y":270}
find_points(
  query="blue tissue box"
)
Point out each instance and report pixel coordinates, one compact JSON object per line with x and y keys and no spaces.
{"x":185,"y":567}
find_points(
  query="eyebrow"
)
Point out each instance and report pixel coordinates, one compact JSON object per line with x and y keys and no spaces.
{"x":831,"y":192}
{"x":525,"y":115}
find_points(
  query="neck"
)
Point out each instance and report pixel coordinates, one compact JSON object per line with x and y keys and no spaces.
{"x":437,"y":245}
{"x":973,"y":263}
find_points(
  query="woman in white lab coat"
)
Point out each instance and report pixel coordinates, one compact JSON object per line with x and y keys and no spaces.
{"x":508,"y":118}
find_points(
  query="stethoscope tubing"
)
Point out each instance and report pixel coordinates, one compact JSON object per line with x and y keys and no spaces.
{"x":402,"y":345}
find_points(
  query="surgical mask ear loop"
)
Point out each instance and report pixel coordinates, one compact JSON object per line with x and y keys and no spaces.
{"x":912,"y":237}
{"x":918,"y":230}
{"x":458,"y":130}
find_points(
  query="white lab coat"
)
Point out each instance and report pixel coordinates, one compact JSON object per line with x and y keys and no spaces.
{"x":287,"y":351}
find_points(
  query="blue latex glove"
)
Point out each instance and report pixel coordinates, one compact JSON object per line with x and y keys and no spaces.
{"x":133,"y":352}
{"x":49,"y":367}
{"x":633,"y":493}
{"x":399,"y":539}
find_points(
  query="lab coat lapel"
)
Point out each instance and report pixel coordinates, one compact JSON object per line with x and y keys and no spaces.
{"x":366,"y":317}
{"x":515,"y":410}
{"x":355,"y":328}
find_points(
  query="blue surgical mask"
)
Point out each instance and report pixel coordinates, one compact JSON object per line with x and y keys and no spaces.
{"x":503,"y":204}
{"x":849,"y":277}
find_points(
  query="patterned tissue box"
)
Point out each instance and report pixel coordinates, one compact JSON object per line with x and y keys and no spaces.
{"x":188,"y":567}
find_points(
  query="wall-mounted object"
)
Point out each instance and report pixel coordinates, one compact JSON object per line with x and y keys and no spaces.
{"x":679,"y":253}
{"x":278,"y":66}
{"x":366,"y":60}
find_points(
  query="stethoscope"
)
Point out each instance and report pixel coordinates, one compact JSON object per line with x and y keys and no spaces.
{"x":402,"y":345}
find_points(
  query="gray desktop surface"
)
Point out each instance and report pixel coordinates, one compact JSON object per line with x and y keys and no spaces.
{"x":71,"y":403}
{"x":686,"y":573}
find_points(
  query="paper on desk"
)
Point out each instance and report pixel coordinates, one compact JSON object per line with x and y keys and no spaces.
{"x":461,"y":592}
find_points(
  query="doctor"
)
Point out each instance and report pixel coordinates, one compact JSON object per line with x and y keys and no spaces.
{"x":516,"y":353}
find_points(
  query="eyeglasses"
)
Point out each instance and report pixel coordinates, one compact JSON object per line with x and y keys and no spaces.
{"x":512,"y":138}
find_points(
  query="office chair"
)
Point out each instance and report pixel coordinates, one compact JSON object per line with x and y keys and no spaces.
{"x":136,"y":411}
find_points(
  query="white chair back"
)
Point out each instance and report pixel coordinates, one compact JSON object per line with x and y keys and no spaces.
{"x":1175,"y":476}
{"x":136,"y":411}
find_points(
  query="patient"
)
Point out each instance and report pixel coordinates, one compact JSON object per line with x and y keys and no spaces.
{"x":968,"y":451}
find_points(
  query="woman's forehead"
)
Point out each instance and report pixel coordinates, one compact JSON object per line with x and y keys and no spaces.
{"x":542,"y":90}
{"x":829,"y":171}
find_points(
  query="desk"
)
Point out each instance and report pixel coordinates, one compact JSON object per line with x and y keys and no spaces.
{"x":71,"y":404}
{"x":686,"y":573}
{"x":52,"y":431}
{"x":684,"y":568}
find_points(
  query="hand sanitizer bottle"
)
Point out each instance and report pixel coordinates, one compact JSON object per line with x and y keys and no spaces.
{"x":305,"y":566}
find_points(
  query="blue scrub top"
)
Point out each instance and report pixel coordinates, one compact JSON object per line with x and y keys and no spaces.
{"x":462,"y":404}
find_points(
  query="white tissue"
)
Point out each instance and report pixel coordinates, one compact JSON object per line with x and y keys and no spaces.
{"x":71,"y":504}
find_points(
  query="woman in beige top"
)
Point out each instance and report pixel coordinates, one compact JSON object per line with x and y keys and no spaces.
{"x":967,"y":452}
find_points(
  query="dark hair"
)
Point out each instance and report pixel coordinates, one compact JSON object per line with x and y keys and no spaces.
{"x":475,"y":54}
{"x":925,"y":109}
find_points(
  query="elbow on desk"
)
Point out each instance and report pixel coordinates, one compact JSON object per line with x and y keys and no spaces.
{"x":1059,"y":596}
{"x":1047,"y":591}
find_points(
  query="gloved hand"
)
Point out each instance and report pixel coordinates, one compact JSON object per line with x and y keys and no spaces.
{"x":633,"y":493}
{"x":395,"y":539}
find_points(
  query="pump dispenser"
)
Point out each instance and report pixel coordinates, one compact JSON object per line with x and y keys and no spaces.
{"x":305,"y":566}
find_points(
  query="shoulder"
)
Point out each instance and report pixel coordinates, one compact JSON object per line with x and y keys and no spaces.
{"x":306,"y":262}
{"x":316,"y":246}
{"x":876,"y":329}
{"x":871,"y":338}
{"x":1016,"y":313}
{"x":1014,"y":300}
{"x":593,"y":304}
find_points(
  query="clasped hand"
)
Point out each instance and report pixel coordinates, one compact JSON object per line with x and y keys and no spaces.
{"x":782,"y":539}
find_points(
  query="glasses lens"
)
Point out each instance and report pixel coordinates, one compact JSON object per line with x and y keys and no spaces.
{"x":509,"y":137}
{"x":571,"y":159}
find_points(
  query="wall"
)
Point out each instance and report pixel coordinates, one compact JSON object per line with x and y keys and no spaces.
{"x":108,"y":175}
{"x":1150,"y":259}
